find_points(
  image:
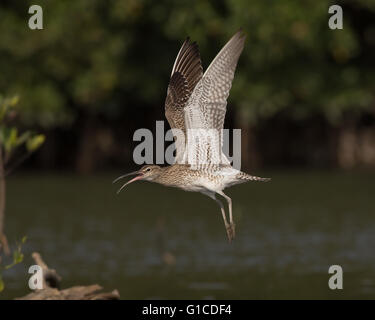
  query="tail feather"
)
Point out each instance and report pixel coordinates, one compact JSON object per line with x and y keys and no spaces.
{"x":247,"y":177}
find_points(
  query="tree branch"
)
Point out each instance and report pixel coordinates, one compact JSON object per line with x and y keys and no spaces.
{"x":52,"y":281}
{"x":3,"y":239}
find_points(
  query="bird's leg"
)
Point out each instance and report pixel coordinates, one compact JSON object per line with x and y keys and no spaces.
{"x":232,"y":224}
{"x":228,"y":227}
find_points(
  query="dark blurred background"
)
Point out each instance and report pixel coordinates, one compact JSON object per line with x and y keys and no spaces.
{"x":303,"y":94}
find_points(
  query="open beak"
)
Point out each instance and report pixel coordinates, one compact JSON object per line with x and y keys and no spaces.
{"x":138,"y":177}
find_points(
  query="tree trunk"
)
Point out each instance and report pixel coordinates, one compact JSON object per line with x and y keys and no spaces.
{"x":347,"y":147}
{"x":250,"y":158}
{"x":3,"y":240}
{"x":86,"y":156}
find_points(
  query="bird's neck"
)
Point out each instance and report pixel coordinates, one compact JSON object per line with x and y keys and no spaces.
{"x":165,"y":176}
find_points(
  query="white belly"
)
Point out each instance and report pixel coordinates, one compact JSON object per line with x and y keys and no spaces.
{"x":225,"y":178}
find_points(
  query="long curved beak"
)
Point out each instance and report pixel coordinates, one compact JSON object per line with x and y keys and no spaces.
{"x":140,"y":176}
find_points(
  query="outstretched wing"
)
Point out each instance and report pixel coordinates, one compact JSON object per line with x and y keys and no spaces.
{"x":186,"y":73}
{"x":206,"y":108}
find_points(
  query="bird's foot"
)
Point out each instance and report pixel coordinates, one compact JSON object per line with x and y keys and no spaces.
{"x":230,"y":232}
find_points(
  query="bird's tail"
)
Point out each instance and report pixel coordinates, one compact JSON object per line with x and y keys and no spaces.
{"x":246,"y":177}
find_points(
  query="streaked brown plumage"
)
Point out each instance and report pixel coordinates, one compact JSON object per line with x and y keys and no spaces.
{"x":195,"y":106}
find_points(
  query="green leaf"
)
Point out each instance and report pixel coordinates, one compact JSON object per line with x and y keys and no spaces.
{"x":17,"y":257}
{"x":11,"y":139}
{"x":13,"y":101}
{"x":2,"y":286}
{"x":23,"y":138}
{"x":5,"y":104}
{"x":17,"y":254}
{"x":35,"y":142}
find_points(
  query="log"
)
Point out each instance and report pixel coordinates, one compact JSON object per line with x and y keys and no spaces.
{"x":50,"y":277}
{"x":51,"y":287}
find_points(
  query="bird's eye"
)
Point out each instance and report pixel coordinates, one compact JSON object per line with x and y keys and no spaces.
{"x":148,"y":169}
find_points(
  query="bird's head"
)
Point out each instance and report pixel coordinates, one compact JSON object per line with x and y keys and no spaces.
{"x":148,"y":173}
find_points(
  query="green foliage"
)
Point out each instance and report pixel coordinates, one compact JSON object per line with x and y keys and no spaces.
{"x":96,"y":57}
{"x":17,"y":254}
{"x":17,"y":258}
{"x":10,"y":138}
{"x":5,"y":105}
{"x":10,"y":141}
{"x":35,"y":142}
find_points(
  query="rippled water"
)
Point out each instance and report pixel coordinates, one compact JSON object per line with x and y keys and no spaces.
{"x":157,"y":242}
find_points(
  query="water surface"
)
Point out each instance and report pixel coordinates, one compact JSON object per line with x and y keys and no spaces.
{"x":156,"y":242}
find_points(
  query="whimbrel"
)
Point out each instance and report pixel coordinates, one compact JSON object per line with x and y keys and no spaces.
{"x":195,"y":109}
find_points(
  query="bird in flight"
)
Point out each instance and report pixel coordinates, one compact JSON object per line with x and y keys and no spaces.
{"x":195,"y":109}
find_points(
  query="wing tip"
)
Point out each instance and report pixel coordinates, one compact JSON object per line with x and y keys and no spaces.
{"x":189,"y":52}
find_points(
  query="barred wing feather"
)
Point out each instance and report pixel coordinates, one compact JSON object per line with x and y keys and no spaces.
{"x":186,"y":73}
{"x":206,"y":107}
